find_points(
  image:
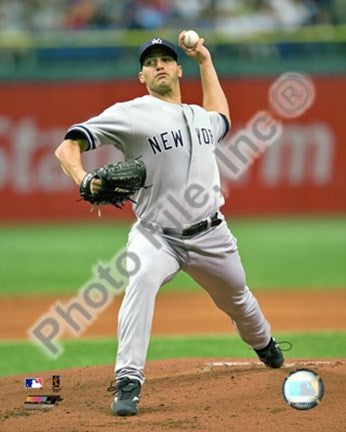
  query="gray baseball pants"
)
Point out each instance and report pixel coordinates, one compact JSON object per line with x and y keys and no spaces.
{"x":212,"y":259}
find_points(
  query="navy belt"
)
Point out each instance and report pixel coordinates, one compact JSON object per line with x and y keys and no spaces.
{"x":194,"y":229}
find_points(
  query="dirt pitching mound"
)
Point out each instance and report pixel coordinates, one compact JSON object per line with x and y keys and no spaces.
{"x":181,"y":395}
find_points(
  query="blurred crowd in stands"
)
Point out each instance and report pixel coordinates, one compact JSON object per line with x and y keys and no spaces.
{"x":229,"y":16}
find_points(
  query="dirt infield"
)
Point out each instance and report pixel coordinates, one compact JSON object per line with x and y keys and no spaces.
{"x":182,"y":395}
{"x":189,"y":313}
{"x":185,"y":394}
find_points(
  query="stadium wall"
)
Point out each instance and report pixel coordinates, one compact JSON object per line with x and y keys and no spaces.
{"x":304,"y":173}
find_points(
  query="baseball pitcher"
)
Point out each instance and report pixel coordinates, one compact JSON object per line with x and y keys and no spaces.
{"x":171,"y":175}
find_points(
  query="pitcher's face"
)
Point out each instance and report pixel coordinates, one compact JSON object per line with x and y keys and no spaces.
{"x":160,"y":72}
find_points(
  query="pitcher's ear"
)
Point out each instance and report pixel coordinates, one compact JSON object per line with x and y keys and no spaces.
{"x":141,"y":77}
{"x":180,"y":71}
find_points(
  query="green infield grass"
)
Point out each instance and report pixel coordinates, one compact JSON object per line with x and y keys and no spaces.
{"x":278,"y":253}
{"x":25,"y":357}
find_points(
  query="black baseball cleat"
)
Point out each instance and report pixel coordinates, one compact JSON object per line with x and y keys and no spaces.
{"x":271,"y":355}
{"x":127,"y":397}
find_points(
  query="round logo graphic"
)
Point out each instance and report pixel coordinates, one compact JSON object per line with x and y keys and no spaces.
{"x":303,"y":389}
{"x":291,"y":95}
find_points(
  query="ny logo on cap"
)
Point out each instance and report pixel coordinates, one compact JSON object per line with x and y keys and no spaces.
{"x":156,"y":41}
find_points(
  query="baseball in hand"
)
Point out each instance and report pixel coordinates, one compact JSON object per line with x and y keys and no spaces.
{"x":190,"y":38}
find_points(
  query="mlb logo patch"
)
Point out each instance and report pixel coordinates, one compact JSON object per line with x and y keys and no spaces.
{"x":33,"y":383}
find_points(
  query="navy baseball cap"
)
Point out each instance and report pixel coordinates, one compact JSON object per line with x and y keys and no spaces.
{"x":145,"y":48}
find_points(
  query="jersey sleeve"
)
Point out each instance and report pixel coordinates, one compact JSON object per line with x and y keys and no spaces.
{"x":113,"y":126}
{"x":220,"y":124}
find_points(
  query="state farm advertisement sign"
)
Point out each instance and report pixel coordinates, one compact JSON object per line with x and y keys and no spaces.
{"x":302,"y":172}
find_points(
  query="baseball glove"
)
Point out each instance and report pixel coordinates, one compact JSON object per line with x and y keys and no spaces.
{"x":119,"y":182}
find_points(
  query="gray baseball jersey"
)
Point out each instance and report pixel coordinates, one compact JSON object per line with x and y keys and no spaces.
{"x":176,"y":143}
